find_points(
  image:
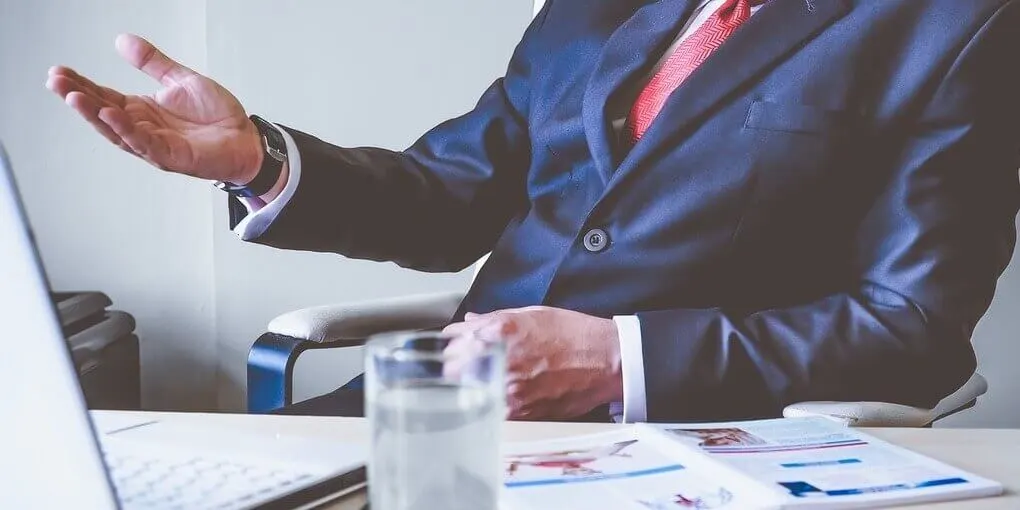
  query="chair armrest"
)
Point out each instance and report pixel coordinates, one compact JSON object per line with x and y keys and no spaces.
{"x":355,"y":321}
{"x":273,"y":356}
{"x":879,"y":414}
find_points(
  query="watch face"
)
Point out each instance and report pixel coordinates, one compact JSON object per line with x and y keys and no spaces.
{"x":271,"y":138}
{"x":275,"y":153}
{"x":275,"y":149}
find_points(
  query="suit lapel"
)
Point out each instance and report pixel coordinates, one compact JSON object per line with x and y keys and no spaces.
{"x":770,"y":35}
{"x":635,"y":46}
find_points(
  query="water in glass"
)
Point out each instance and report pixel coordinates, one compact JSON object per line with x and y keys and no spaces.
{"x":436,"y":446}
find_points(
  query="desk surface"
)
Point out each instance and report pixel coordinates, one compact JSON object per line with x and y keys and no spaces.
{"x":994,"y":454}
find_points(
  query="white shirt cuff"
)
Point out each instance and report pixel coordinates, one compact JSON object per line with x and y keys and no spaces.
{"x":635,"y":408}
{"x":261,"y":215}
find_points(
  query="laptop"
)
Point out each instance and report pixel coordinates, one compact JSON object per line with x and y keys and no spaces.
{"x":54,"y":453}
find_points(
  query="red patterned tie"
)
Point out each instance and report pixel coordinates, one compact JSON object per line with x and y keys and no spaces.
{"x":689,"y":54}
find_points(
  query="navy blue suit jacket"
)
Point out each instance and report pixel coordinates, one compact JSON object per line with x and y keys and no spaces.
{"x":821,"y":212}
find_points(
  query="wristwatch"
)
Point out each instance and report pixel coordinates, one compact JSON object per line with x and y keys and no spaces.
{"x":274,"y":150}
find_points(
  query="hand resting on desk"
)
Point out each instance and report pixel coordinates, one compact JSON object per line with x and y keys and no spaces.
{"x":560,"y":364}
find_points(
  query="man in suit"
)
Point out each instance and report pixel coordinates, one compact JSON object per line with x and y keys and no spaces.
{"x":698,"y":209}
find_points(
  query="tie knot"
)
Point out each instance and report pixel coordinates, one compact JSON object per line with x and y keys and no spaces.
{"x":735,"y":4}
{"x":687,"y":57}
{"x":737,"y":11}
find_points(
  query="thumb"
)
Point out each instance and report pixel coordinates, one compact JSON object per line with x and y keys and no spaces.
{"x":144,"y":56}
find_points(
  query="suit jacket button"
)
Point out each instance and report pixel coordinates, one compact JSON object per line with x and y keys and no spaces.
{"x":596,"y":240}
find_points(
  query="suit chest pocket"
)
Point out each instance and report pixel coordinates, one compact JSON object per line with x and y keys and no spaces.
{"x":796,"y":145}
{"x":800,"y":119}
{"x":805,"y":160}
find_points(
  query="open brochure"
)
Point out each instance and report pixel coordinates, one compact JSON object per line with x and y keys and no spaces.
{"x":790,"y":463}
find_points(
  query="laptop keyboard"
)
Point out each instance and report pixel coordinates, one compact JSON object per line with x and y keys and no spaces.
{"x":160,"y":481}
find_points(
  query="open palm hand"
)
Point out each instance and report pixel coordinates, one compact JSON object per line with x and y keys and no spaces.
{"x":192,"y":125}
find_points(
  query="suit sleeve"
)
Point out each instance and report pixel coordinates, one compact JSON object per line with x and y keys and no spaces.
{"x":927,"y":255}
{"x":437,"y":206}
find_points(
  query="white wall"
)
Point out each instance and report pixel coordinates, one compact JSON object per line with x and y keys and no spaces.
{"x":104,"y":220}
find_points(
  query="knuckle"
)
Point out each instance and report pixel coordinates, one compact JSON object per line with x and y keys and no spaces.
{"x":148,"y":53}
{"x":507,"y":325}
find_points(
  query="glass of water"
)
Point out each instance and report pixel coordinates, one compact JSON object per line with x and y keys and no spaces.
{"x":435,"y":404}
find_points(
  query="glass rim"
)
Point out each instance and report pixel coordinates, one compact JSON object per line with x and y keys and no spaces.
{"x":390,"y":345}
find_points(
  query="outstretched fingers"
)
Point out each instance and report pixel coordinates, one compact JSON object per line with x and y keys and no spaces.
{"x":122,"y":124}
{"x":88,"y":108}
{"x":143,"y":137}
{"x":62,"y":79}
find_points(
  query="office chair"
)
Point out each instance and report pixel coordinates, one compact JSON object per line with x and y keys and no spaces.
{"x":272,"y":357}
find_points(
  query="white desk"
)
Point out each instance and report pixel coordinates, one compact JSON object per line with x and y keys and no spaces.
{"x":994,"y":454}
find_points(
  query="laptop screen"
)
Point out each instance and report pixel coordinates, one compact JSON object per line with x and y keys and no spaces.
{"x":49,"y":456}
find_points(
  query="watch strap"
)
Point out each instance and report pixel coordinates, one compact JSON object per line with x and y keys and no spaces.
{"x":274,"y":155}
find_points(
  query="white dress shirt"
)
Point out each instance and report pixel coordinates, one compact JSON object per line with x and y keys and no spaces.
{"x":261,"y":215}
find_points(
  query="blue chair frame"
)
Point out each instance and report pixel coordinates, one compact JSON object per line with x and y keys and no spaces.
{"x":271,"y":363}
